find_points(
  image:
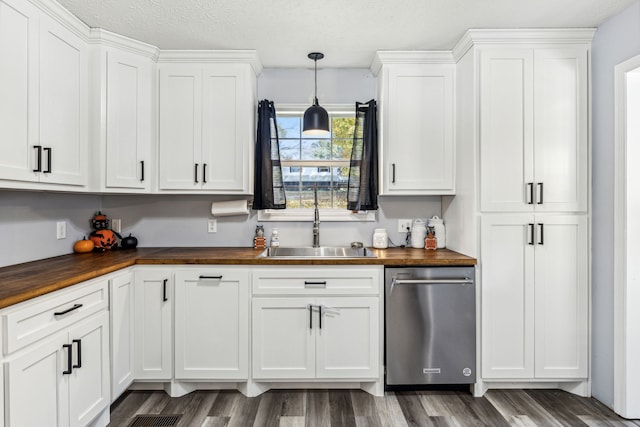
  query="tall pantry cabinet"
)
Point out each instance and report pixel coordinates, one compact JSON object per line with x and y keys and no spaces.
{"x":522,"y":133}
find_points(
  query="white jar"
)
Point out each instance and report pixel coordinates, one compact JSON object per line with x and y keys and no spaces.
{"x":438,"y":225}
{"x":380,"y":238}
{"x":418,"y":233}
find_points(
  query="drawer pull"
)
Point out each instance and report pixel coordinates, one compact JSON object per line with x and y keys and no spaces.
{"x":212,"y":277}
{"x":164,"y":290}
{"x":312,"y":284}
{"x":79,"y":364}
{"x":320,"y":315}
{"x":69,"y":367}
{"x":310,"y":307}
{"x":68,"y":310}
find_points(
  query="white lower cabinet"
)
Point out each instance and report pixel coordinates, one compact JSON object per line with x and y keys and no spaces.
{"x":316,"y":336}
{"x":212,"y":324}
{"x":534,"y":297}
{"x":63,"y":379}
{"x":303,"y":338}
{"x":122,"y":331}
{"x":153,"y":346}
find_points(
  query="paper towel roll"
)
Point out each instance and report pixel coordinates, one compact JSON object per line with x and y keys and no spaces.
{"x":232,"y":207}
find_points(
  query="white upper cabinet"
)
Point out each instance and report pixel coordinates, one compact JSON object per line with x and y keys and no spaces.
{"x":206,"y":117}
{"x":416,"y":109}
{"x":533,"y":129}
{"x":44,"y":74}
{"x":127,"y":81}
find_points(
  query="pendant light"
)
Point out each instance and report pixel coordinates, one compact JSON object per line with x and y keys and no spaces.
{"x":316,"y":118}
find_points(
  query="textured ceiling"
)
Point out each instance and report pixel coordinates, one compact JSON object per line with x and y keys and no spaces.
{"x":347,"y":31}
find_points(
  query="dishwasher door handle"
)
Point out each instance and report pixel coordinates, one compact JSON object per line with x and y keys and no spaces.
{"x":464,"y":281}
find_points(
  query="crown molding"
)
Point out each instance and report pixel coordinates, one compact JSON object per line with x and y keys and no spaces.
{"x":107,"y":38}
{"x":213,"y":56}
{"x":537,"y":36}
{"x":383,"y":57}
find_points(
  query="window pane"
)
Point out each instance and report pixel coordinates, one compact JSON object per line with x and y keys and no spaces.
{"x":288,"y":126}
{"x":316,"y":149}
{"x":290,"y":149}
{"x":343,"y":127}
{"x":340,"y":180}
{"x":341,"y":149}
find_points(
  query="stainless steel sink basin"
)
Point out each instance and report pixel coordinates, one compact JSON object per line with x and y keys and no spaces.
{"x":321,"y":252}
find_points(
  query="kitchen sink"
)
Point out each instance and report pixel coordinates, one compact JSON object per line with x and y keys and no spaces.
{"x":321,"y":252}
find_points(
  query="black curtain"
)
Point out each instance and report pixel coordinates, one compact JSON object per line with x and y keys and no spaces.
{"x":362,"y":193}
{"x":268,"y":188}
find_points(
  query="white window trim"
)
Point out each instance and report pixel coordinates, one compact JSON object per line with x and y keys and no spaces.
{"x":326,"y":215}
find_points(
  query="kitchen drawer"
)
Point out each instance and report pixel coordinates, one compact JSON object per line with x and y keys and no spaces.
{"x":32,"y":320}
{"x":348,"y":280}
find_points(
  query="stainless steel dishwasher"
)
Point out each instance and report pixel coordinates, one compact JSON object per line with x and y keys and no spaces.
{"x":430,"y":325}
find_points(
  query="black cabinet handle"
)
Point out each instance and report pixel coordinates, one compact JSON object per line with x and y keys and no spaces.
{"x":69,"y":367}
{"x":541,"y":236}
{"x":195,"y":174}
{"x":320,"y":315}
{"x":540,"y":193}
{"x":310,"y":307}
{"x":530,"y":188}
{"x":141,"y":170}
{"x":211,"y":277}
{"x":316,"y":284}
{"x":204,"y":173}
{"x":530,"y":234}
{"x":68,"y":310}
{"x":39,"y":158}
{"x":393,"y":173}
{"x":79,"y":343}
{"x":164,"y":290}
{"x":48,"y":169}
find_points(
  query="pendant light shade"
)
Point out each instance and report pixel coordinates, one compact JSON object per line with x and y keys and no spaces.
{"x":316,"y":118}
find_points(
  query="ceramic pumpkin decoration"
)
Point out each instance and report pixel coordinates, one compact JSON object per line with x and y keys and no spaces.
{"x":103,"y":238}
{"x":83,"y":246}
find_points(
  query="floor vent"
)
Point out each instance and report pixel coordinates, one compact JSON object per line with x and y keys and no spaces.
{"x":155,"y":421}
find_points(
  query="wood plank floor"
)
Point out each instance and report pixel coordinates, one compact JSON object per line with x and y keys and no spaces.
{"x":321,"y":408}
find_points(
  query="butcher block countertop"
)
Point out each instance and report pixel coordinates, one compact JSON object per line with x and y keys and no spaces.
{"x":28,"y":280}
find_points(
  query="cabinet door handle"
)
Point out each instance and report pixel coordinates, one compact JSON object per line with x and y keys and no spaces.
{"x":69,"y":363}
{"x":540,"y":193}
{"x":531,"y":234}
{"x":204,"y":173}
{"x":48,"y":169}
{"x":195,"y":174}
{"x":541,"y":234}
{"x":393,"y":173}
{"x":320,"y":316}
{"x":315,"y":284}
{"x":211,"y":277}
{"x":310,"y":307}
{"x":38,"y":148}
{"x":79,"y":343}
{"x":530,"y":191}
{"x":68,"y":310}
{"x":164,"y":290}
{"x":141,"y":170}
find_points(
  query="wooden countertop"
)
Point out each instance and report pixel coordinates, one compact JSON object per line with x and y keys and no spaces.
{"x":28,"y":280}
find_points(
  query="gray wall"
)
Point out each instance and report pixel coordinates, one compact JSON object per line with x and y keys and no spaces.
{"x":27,"y":219}
{"x":28,"y":223}
{"x":616,"y":40}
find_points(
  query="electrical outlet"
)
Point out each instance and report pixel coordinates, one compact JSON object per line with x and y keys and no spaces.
{"x":61,"y":230}
{"x":212,"y":226}
{"x":404,"y":225}
{"x":116,"y":225}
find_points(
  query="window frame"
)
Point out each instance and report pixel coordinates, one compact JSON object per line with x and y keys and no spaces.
{"x":306,"y":214}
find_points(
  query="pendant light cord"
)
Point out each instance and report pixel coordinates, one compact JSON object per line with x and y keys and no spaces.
{"x":315,"y":73}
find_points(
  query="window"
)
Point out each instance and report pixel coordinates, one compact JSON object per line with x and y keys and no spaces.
{"x":311,"y":159}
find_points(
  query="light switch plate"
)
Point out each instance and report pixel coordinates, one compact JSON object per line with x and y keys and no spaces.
{"x":404,"y":225}
{"x":212,"y":226}
{"x":116,"y":225}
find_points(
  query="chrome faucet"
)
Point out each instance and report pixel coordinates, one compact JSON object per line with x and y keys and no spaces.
{"x":316,"y":217}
